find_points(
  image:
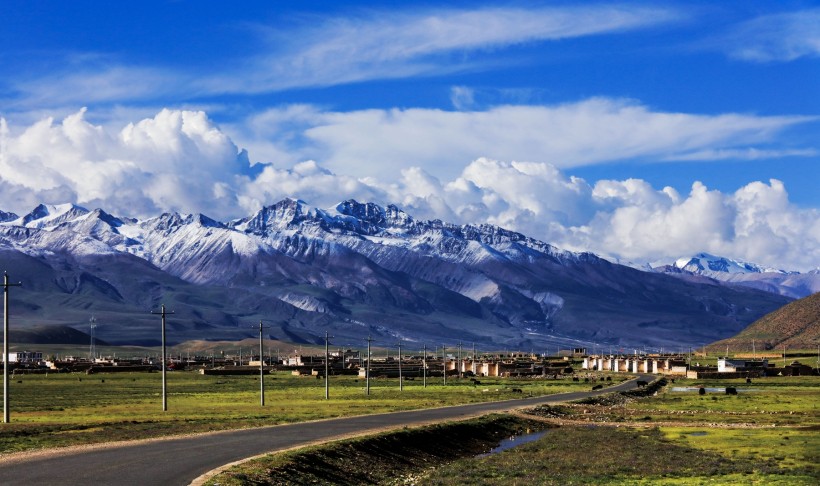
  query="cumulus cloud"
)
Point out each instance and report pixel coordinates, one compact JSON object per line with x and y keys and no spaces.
{"x":598,"y":130}
{"x":179,"y":160}
{"x":776,"y":38}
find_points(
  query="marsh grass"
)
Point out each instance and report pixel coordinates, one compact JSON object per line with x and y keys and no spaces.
{"x":58,"y":410}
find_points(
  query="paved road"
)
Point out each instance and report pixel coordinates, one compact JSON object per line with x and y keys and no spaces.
{"x":181,"y":460}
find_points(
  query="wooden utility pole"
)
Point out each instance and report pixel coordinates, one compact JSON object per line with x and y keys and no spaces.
{"x":163,"y":313}
{"x":424,"y":365}
{"x":261,"y":368}
{"x":444,"y":361}
{"x":327,"y":365}
{"x":367,"y":368}
{"x":6,"y":286}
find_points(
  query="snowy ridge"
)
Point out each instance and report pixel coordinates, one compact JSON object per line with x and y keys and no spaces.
{"x":784,"y":282}
{"x":706,"y":264}
{"x":356,"y":263}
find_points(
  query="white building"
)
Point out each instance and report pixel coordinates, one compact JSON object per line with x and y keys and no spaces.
{"x":25,"y":357}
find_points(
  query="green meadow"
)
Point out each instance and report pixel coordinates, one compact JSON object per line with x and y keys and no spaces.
{"x":57,"y":410}
{"x":767,"y":434}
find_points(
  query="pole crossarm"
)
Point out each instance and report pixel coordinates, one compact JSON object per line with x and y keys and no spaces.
{"x":6,"y":286}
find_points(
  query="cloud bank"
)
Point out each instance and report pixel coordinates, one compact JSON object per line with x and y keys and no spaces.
{"x":591,"y":131}
{"x":179,"y":160}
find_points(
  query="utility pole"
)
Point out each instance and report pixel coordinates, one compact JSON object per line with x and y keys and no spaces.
{"x":261,"y":368}
{"x":459,"y":364}
{"x":6,"y":286}
{"x":163,"y":313}
{"x":473,"y":365}
{"x":401,"y":382}
{"x":444,"y":361}
{"x":367,"y":368}
{"x":327,"y":366}
{"x":92,"y":350}
{"x":424,"y":365}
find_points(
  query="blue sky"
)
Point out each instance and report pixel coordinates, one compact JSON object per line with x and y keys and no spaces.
{"x":594,"y":125}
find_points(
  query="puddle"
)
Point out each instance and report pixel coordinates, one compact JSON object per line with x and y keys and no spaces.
{"x":515,"y":441}
{"x":700,"y":433}
{"x":709,"y":390}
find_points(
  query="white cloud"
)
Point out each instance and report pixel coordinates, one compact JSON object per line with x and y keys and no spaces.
{"x":391,"y":45}
{"x":179,"y":160}
{"x":743,"y":154}
{"x":776,"y":38}
{"x":599,"y":130}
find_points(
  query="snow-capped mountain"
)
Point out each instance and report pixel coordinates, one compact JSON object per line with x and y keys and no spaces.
{"x":355,"y":269}
{"x":785,"y":282}
{"x":709,"y":265}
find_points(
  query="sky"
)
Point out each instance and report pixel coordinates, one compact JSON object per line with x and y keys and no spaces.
{"x":641,"y":131}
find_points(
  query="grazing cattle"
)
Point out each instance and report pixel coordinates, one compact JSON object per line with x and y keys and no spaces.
{"x":642,"y":383}
{"x":575,"y":378}
{"x":517,"y":390}
{"x":608,"y":378}
{"x":476,"y":382}
{"x":730,"y":390}
{"x":748,"y":381}
{"x":586,"y":380}
{"x":701,"y":391}
{"x":597,"y":387}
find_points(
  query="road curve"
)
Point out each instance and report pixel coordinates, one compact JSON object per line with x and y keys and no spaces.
{"x":178,"y":461}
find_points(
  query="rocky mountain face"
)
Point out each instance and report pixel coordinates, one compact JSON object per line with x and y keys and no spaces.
{"x":355,"y":270}
{"x":784,"y":282}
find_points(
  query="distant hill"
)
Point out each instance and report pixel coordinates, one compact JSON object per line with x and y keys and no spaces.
{"x":51,"y":335}
{"x":795,"y":325}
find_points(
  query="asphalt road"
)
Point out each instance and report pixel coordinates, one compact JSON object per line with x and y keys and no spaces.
{"x":179,"y":461}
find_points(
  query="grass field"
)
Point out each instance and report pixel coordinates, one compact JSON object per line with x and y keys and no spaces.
{"x":58,"y":410}
{"x":766,"y":435}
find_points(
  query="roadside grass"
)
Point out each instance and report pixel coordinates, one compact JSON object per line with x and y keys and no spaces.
{"x":386,"y":458}
{"x":58,"y":410}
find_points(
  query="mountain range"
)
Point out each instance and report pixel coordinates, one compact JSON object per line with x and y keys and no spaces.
{"x":354,"y":270}
{"x":785,"y":282}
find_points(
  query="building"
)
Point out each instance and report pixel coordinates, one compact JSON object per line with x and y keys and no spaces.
{"x":726,"y":365}
{"x":25,"y":357}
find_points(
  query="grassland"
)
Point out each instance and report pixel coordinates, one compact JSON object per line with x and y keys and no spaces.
{"x":766,"y":435}
{"x":59,"y":410}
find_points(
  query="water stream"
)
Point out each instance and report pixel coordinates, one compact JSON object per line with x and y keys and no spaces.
{"x":515,"y":441}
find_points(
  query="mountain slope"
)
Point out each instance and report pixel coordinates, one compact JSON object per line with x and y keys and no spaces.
{"x":795,"y":326}
{"x":356,"y":269}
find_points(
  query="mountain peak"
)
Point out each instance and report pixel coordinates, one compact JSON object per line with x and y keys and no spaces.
{"x":48,"y":215}
{"x":6,"y":217}
{"x":707,"y":264}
